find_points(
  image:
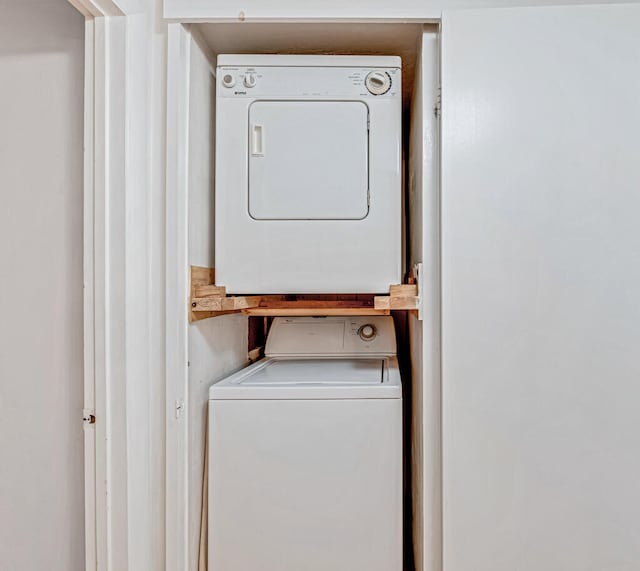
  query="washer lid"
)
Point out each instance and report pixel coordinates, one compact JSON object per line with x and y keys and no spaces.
{"x":306,"y":372}
{"x":312,"y":379}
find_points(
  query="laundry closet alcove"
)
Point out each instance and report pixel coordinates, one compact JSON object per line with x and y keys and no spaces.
{"x":227,"y":330}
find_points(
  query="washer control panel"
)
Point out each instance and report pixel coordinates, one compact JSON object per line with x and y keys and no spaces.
{"x":367,"y":332}
{"x":331,"y":336}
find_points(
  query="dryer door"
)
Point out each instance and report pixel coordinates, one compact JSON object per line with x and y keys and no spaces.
{"x":308,"y":160}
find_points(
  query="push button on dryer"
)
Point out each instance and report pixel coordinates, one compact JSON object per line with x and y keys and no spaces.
{"x":228,"y":80}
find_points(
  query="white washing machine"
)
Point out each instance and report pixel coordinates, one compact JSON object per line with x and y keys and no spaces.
{"x":308,"y":173}
{"x":305,"y":452}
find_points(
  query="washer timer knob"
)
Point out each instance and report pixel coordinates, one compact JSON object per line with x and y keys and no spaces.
{"x":367,"y":332}
{"x":378,"y":82}
{"x":249,"y":80}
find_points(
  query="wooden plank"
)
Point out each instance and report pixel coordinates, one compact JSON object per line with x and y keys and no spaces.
{"x":396,"y":303}
{"x":209,"y":291}
{"x":206,"y":304}
{"x":240,"y":302}
{"x":224,"y":303}
{"x":401,"y":296}
{"x":404,"y":302}
{"x":202,"y":276}
{"x":313,"y":311}
{"x":403,"y":290}
{"x":315,"y":304}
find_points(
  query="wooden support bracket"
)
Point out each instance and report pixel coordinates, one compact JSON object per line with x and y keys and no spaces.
{"x":200,"y":277}
{"x":400,"y":297}
{"x":209,"y":300}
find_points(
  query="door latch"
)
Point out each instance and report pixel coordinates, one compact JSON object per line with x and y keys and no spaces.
{"x":88,"y":416}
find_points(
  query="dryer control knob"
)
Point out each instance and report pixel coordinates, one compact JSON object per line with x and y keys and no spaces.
{"x":378,"y":82}
{"x":228,"y":80}
{"x":367,"y":332}
{"x":249,"y":80}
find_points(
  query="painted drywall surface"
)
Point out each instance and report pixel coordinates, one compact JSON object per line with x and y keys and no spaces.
{"x":141,"y":213}
{"x":252,"y":10}
{"x":414,"y":217}
{"x":541,"y":274}
{"x":41,"y":330}
{"x":217,"y":346}
{"x":423,"y":216}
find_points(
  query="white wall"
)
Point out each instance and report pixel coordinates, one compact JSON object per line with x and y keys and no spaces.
{"x":41,"y":331}
{"x":217,"y":346}
{"x":540,"y":282}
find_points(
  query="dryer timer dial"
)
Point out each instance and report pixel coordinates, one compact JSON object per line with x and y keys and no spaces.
{"x":378,"y":82}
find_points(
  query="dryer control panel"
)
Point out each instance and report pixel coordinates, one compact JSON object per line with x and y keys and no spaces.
{"x":260,"y":82}
{"x":331,"y":336}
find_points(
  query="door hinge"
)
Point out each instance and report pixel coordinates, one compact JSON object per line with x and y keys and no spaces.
{"x":437,"y":110}
{"x":88,"y":416}
{"x":179,"y":409}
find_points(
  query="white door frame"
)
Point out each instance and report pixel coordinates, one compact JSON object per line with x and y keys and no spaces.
{"x":135,"y":240}
{"x":124,"y":283}
{"x":177,"y":288}
{"x":135,"y":269}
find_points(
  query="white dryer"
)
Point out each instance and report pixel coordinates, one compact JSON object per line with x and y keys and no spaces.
{"x":308,"y":173}
{"x":305,"y":452}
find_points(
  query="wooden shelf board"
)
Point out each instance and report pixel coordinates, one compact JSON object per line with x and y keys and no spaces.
{"x":312,"y":311}
{"x":224,"y":303}
{"x":209,"y":300}
{"x":209,"y":291}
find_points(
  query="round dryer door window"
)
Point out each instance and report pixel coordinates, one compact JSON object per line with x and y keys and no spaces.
{"x":308,"y":160}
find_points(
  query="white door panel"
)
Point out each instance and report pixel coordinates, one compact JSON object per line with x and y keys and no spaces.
{"x":308,"y":160}
{"x":540,"y":285}
{"x":42,"y":510}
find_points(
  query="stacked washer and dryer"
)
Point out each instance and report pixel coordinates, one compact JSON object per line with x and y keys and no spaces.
{"x":305,"y":446}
